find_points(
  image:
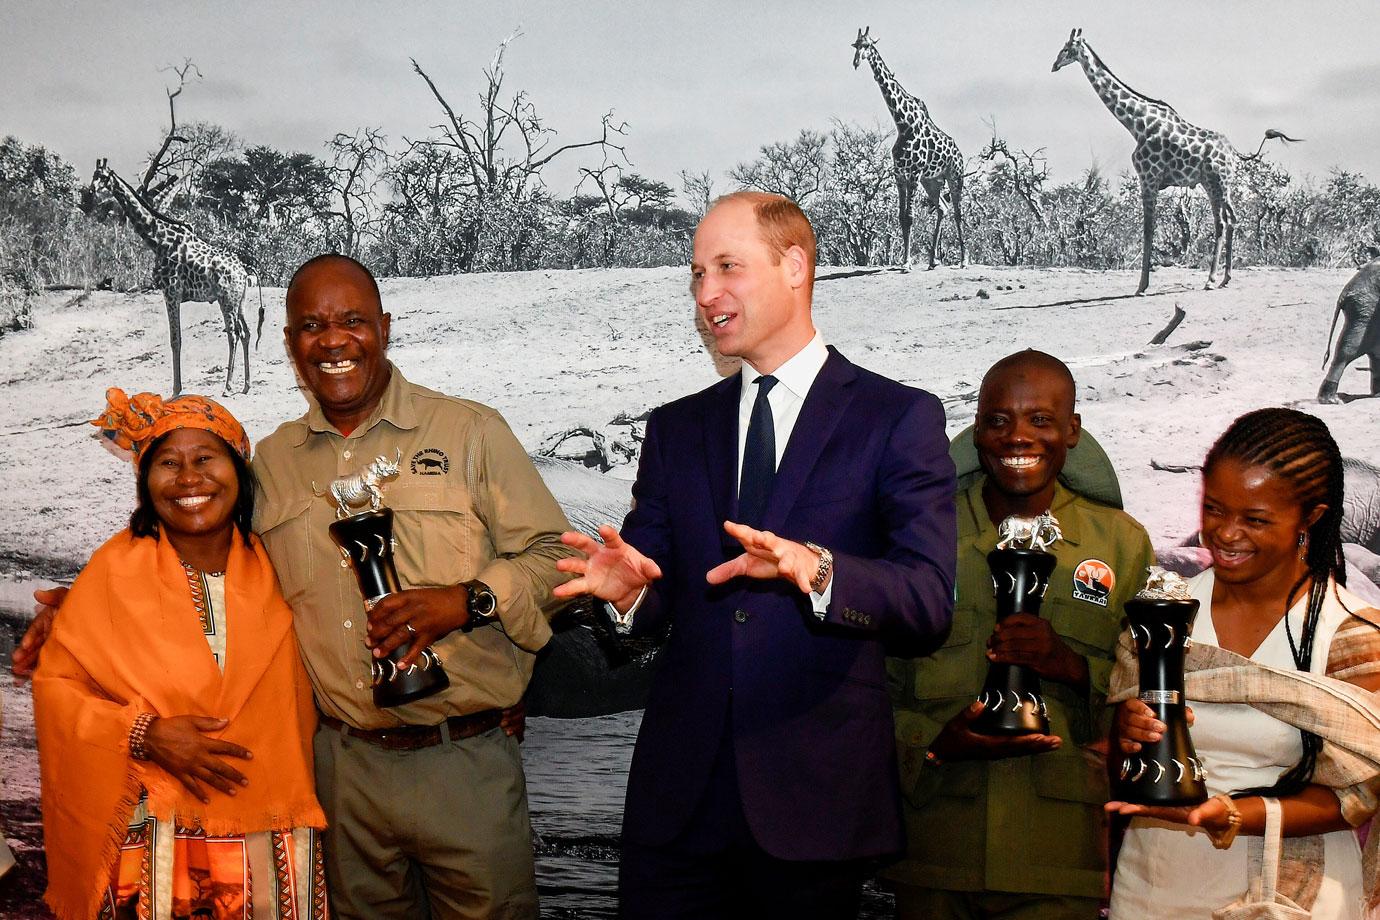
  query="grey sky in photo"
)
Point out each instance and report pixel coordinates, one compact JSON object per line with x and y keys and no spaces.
{"x":701,"y":85}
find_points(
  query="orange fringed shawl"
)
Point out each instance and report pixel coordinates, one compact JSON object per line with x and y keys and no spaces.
{"x":128,"y":640}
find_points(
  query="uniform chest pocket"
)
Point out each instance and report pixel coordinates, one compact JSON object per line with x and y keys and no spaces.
{"x":440,"y":540}
{"x":1093,"y":626}
{"x":287,"y":534}
{"x":957,"y":668}
{"x":961,"y":629}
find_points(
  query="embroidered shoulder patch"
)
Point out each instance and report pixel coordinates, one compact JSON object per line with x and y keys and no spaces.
{"x":1093,"y":582}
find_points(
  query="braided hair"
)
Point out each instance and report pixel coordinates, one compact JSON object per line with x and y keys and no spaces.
{"x":1299,"y":449}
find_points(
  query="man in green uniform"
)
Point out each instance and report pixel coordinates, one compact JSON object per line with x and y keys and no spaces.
{"x":1013,"y":827}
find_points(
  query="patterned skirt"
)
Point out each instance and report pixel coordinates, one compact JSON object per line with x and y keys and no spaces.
{"x":169,"y":872}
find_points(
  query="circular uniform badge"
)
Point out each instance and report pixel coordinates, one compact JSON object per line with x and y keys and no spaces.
{"x":1093,"y":582}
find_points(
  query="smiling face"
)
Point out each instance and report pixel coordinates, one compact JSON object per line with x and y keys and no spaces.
{"x":1251,"y":524}
{"x":337,"y":334}
{"x":193,"y":487}
{"x":1024,"y":430}
{"x":755,"y":301}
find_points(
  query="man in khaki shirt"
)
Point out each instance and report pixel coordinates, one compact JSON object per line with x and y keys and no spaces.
{"x":426,"y":801}
{"x":467,"y":505}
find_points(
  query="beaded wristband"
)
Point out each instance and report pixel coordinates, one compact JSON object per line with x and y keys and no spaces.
{"x":138,"y":734}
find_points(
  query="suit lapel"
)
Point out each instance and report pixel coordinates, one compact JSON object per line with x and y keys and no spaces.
{"x":721,"y":447}
{"x":820,"y":415}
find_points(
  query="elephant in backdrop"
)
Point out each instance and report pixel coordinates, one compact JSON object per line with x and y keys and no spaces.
{"x":1361,"y":504}
{"x":1360,"y":330}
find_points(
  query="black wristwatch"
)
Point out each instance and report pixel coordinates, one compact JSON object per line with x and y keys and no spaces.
{"x":483,"y":605}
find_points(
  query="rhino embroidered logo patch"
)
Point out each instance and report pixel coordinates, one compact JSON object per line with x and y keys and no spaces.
{"x":430,"y":462}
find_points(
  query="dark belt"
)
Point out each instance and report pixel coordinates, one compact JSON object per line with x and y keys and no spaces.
{"x":414,"y":737}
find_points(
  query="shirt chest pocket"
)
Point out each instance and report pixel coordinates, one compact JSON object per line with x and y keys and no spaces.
{"x":1092,"y":628}
{"x":295,"y":550}
{"x":438,"y":534}
{"x":959,"y":666}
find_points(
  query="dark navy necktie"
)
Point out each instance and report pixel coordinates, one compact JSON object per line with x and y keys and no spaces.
{"x":759,"y":458}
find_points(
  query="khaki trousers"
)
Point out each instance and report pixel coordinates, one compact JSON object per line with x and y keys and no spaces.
{"x":439,"y":832}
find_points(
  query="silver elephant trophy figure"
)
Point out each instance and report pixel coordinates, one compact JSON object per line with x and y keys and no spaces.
{"x":1168,"y":771}
{"x":1011,"y":698}
{"x":366,"y":539}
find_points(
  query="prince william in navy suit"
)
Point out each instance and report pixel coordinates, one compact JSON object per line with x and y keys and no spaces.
{"x":786,"y":523}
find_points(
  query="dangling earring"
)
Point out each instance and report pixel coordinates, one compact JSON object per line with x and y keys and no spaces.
{"x":1303,"y":547}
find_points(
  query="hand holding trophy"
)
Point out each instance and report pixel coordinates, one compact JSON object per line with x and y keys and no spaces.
{"x":366,"y":539}
{"x":1168,"y":771}
{"x":1012,"y":704}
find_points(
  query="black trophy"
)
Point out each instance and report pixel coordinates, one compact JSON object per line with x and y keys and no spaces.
{"x":1012,"y":704}
{"x":367,"y":539}
{"x":1168,"y":771}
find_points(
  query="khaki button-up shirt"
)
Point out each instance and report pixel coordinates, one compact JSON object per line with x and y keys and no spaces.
{"x":467,"y":504}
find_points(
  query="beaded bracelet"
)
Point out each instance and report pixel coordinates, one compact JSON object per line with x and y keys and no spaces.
{"x":138,"y":735}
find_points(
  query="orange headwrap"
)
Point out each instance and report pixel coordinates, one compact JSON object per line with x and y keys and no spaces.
{"x":134,"y":422}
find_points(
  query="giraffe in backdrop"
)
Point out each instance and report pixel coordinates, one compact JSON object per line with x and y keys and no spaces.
{"x":1169,"y":152}
{"x":922,"y":154}
{"x":187,"y":268}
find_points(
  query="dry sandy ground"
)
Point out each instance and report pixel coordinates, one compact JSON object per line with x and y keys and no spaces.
{"x":555,"y":350}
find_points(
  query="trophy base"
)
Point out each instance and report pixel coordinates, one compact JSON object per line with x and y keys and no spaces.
{"x":385,"y":699}
{"x":396,"y":688}
{"x":1157,"y":776}
{"x":996,"y":718}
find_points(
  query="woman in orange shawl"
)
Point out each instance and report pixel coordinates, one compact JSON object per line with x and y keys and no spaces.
{"x":174,"y":716}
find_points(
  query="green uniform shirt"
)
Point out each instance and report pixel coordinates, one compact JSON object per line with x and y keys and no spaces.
{"x":1031,"y":824}
{"x":467,"y":503}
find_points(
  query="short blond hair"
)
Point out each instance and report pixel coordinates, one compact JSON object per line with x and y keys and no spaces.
{"x":781,"y":221}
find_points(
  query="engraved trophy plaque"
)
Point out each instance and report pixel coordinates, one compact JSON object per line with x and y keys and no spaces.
{"x":1168,"y":771}
{"x":366,"y":539}
{"x":1012,"y":704}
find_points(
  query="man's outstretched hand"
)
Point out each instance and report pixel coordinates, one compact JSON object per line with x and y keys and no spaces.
{"x":767,"y":556}
{"x":613,"y":571}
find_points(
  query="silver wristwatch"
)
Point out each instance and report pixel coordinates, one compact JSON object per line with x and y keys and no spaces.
{"x":826,"y":565}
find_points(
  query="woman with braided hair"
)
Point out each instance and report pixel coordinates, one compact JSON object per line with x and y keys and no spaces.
{"x":1275,"y":596}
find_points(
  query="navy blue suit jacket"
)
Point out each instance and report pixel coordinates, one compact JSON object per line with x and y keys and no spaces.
{"x":865,"y":473}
